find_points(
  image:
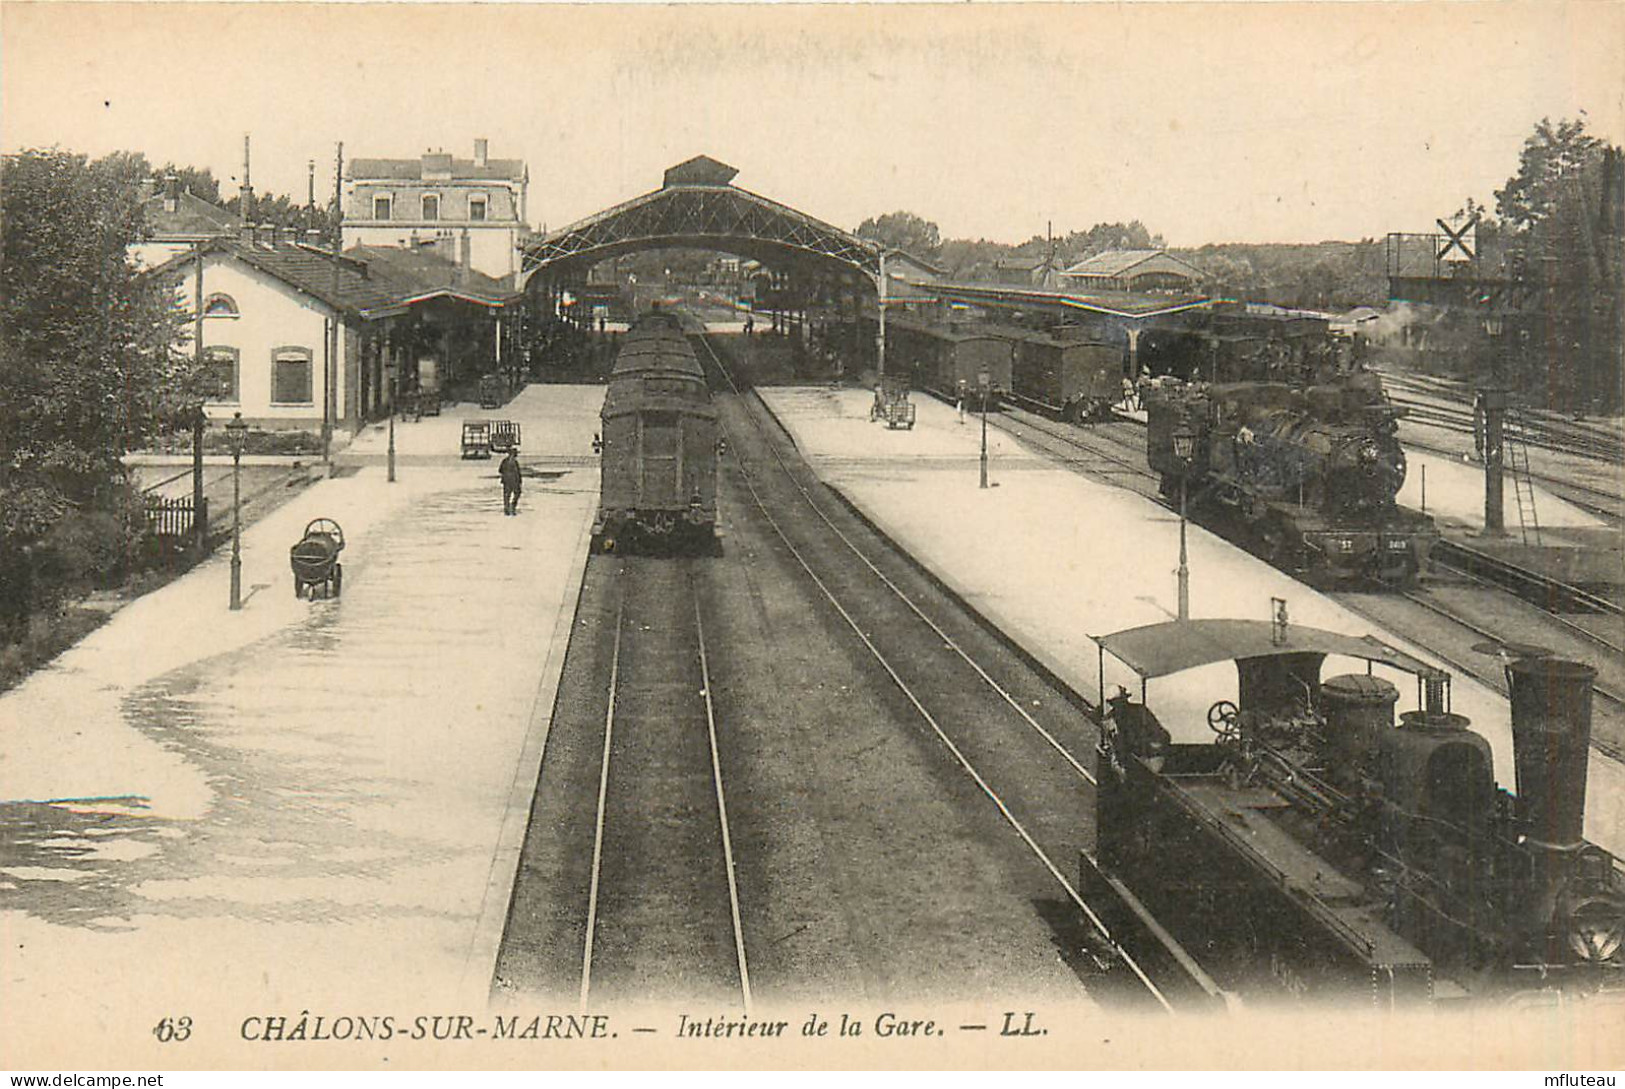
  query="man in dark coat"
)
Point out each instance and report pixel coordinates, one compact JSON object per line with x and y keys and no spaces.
{"x":510,"y":474}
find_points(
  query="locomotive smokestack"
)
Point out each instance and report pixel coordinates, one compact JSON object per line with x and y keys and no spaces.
{"x":1551,"y":738}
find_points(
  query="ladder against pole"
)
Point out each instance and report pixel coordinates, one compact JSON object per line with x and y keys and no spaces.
{"x":1523,"y":487}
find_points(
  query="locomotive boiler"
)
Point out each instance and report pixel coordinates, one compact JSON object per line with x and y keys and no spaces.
{"x":1314,"y":845}
{"x":1306,"y":475}
{"x":658,"y":483}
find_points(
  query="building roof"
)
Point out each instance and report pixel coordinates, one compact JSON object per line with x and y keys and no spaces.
{"x":371,"y":281}
{"x":428,"y":275}
{"x":700,"y":170}
{"x":193,"y":218}
{"x":909,"y":258}
{"x":438,"y":165}
{"x":1123,"y":304}
{"x":310,"y":270}
{"x":1114,"y":263}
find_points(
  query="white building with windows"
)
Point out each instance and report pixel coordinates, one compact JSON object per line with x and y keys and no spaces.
{"x":269,"y":305}
{"x":474,"y":206}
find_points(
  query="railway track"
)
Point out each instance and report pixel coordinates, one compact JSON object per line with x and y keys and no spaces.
{"x":1597,"y":501}
{"x":1551,"y":596}
{"x":924,"y":660}
{"x":1494,"y":678}
{"x":1540,"y":436}
{"x":627,"y":889}
{"x":1450,"y":404}
{"x":654,"y":719}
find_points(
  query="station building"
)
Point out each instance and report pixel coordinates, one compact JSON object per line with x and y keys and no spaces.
{"x":475,"y":205}
{"x":1133,"y":270}
{"x":407,"y":318}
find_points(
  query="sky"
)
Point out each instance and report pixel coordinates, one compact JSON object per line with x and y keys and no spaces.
{"x":1209,"y":122}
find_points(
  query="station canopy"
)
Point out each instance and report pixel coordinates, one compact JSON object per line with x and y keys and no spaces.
{"x":1158,"y":650}
{"x":698,"y":207}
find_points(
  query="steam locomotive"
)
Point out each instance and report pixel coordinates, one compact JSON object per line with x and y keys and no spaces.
{"x":658,"y":442}
{"x":1312,"y":846}
{"x":1307,"y":475}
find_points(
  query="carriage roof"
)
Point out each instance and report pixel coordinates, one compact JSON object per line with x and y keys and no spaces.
{"x":1158,"y":650}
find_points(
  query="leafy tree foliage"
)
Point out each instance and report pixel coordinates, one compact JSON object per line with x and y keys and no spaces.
{"x":904,"y":231}
{"x":1552,"y":154}
{"x":87,"y":347}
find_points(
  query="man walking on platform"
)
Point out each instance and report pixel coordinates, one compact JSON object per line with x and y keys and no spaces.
{"x":510,"y":474}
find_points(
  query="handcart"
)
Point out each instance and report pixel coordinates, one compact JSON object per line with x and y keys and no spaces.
{"x":315,"y":559}
{"x":476,"y":438}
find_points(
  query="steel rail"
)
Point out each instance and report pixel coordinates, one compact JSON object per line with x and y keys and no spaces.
{"x":902,"y":596}
{"x":722,"y":804}
{"x":603,"y":792}
{"x":1510,"y":576}
{"x":930,"y":720}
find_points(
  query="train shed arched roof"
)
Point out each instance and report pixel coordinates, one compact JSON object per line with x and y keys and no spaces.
{"x":699,"y":207}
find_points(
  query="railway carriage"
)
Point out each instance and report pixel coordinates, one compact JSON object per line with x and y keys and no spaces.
{"x":1075,"y":375}
{"x":658,"y":444}
{"x":949,"y":361}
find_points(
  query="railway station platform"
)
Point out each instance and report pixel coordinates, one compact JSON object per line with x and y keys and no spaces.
{"x":557,"y":424}
{"x":320,"y":801}
{"x":1053,"y":557}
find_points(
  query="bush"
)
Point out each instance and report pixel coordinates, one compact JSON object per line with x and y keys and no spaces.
{"x":259,"y":441}
{"x":47,"y":635}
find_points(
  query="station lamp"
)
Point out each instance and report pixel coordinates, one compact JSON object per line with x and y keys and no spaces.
{"x":1184,"y":449}
{"x":237,"y":439}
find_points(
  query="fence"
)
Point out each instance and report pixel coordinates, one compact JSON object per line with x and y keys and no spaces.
{"x":173,"y":518}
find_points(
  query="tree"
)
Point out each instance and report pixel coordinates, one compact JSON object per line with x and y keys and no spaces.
{"x":904,"y":231}
{"x":1552,"y":154}
{"x":87,"y":347}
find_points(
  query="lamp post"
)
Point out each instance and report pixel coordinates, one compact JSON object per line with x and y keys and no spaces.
{"x":236,"y":435}
{"x":982,"y":381}
{"x":394,"y":397}
{"x":1184,"y":450}
{"x":1493,"y":397}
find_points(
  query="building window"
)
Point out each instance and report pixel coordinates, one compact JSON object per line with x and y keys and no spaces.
{"x":476,"y":209}
{"x":221,"y":367}
{"x":291,"y":377}
{"x":431,"y":206}
{"x":381,"y":207}
{"x":220,"y":306}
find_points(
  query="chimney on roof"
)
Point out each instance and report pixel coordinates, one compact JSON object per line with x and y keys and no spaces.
{"x":172,"y":192}
{"x":465,"y":257}
{"x":481,"y":151}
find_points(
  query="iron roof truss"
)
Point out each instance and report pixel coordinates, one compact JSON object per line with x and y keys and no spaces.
{"x":702,"y":216}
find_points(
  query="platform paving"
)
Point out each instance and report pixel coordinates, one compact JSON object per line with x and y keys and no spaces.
{"x":221,"y":813}
{"x":1053,"y":557}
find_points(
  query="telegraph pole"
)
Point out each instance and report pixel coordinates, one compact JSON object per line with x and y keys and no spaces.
{"x":200,"y":524}
{"x":329,"y":405}
{"x":880,"y":337}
